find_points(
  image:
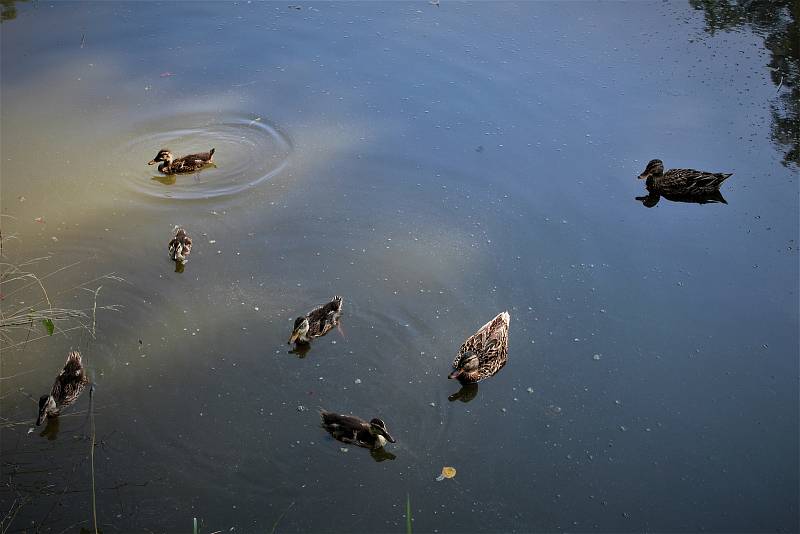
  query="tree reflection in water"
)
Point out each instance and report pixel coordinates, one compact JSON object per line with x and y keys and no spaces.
{"x":777,"y":21}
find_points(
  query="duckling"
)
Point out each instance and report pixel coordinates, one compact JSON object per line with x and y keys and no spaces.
{"x":681,"y":183}
{"x":68,"y":386}
{"x":180,"y":246}
{"x":317,"y":322}
{"x":351,"y":429}
{"x":190,"y":163}
{"x":484,"y":353}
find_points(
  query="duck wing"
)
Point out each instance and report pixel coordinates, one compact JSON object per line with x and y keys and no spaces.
{"x":70,"y":382}
{"x":322,"y":318}
{"x":490,"y":344}
{"x":342,"y":426}
{"x":691,"y":181}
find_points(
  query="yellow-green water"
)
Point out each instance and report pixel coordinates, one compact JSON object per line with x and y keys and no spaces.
{"x":435,"y":166}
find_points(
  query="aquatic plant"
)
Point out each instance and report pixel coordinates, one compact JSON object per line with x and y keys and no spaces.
{"x":408,"y":514}
{"x":26,"y":317}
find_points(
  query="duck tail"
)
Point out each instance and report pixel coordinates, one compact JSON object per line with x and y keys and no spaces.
{"x":74,"y":365}
{"x":721,"y":177}
{"x":74,"y":357}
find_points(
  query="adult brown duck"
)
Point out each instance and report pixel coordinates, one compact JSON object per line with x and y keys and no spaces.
{"x":317,"y":322}
{"x":681,"y":183}
{"x":68,"y":386}
{"x":484,"y":353}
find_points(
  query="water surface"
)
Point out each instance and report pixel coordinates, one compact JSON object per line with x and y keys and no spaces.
{"x":435,"y":166}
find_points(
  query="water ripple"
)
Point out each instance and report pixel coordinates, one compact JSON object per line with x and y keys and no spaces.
{"x":249,"y":150}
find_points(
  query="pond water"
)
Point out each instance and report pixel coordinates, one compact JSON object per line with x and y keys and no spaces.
{"x":435,"y":165}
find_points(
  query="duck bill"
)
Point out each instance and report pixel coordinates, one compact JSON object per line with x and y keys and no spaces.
{"x":41,"y":418}
{"x":642,"y":176}
{"x":389,"y":438}
{"x":295,"y":336}
{"x":455,"y":374}
{"x":152,"y":162}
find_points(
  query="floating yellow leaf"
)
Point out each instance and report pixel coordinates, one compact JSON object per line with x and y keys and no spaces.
{"x":447,"y":472}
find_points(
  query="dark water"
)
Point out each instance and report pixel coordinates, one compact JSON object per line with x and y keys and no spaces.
{"x":435,"y":166}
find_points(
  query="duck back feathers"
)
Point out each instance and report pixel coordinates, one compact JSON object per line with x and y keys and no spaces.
{"x":490,"y":345}
{"x":323,"y":318}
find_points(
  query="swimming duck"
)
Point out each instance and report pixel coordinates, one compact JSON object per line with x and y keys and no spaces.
{"x":483,"y":353}
{"x":351,"y":429}
{"x":317,"y":322}
{"x":69,"y":384}
{"x":180,"y":246}
{"x":190,"y":163}
{"x":681,"y":183}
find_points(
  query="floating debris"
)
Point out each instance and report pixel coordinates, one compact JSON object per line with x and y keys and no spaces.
{"x":447,"y":472}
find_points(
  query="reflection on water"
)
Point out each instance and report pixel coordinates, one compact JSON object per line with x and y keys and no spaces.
{"x":51,"y":428}
{"x":467,"y":393}
{"x":651,"y":199}
{"x":166,"y":179}
{"x":8,"y":9}
{"x":300,"y":349}
{"x":381,"y":455}
{"x":778,"y":22}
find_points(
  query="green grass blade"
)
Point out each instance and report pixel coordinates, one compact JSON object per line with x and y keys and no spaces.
{"x":48,"y":324}
{"x":408,"y":514}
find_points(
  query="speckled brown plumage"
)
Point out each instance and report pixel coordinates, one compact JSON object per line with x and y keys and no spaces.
{"x":180,"y":246}
{"x":68,"y":386}
{"x":681,"y":183}
{"x":190,"y":163}
{"x":320,"y":321}
{"x":490,"y":345}
{"x":325,"y":317}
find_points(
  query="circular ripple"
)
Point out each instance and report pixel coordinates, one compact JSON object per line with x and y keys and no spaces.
{"x":249,"y":150}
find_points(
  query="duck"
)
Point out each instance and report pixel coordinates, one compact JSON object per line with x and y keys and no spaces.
{"x":317,"y":322}
{"x":484,"y":353}
{"x":180,"y":246}
{"x":681,"y":183}
{"x":351,"y":429}
{"x":190,"y":163}
{"x":68,"y":386}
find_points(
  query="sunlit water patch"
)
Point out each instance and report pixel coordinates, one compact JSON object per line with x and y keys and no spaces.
{"x":249,"y":150}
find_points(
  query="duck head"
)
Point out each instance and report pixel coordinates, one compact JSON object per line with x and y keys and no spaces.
{"x":47,"y":405}
{"x":300,"y":330}
{"x":378,"y":429}
{"x":163,"y":155}
{"x":654,"y":168}
{"x":469,"y":364}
